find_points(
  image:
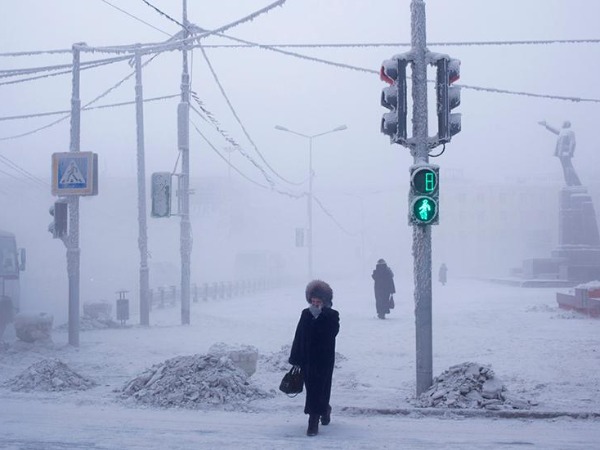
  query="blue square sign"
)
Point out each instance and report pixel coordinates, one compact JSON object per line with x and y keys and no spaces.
{"x":74,"y":173}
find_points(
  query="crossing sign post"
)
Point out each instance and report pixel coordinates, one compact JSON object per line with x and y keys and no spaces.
{"x":74,"y":173}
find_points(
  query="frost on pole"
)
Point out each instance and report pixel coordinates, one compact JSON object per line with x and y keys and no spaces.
{"x":161,"y":194}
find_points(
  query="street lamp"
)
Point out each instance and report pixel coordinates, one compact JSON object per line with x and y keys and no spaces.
{"x":310,"y":187}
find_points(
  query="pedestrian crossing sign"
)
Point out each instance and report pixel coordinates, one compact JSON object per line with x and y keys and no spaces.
{"x":74,"y":173}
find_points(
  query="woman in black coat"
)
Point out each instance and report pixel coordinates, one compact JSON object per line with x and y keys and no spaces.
{"x":313,"y":350}
{"x":384,"y":287}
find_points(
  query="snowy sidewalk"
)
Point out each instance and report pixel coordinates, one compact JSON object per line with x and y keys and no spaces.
{"x":539,"y":352}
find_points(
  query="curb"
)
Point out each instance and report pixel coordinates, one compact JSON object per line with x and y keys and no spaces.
{"x":483,"y":413}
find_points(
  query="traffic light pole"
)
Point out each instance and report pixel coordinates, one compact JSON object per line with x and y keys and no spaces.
{"x":72,"y":240}
{"x":421,"y":233}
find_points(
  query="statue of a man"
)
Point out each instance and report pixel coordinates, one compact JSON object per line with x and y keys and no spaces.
{"x":565,"y":149}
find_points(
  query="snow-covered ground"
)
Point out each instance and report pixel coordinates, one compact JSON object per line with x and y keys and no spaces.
{"x":545,"y":356}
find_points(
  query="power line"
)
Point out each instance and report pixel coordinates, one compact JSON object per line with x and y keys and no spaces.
{"x":105,"y":93}
{"x":270,"y":187}
{"x":135,"y":17}
{"x":64,"y":72}
{"x":327,"y":213}
{"x":89,"y":108}
{"x":215,"y":123}
{"x":407,"y":44}
{"x":363,"y":69}
{"x":14,"y":166}
{"x":338,"y":45}
{"x":233,"y":111}
{"x":164,"y":14}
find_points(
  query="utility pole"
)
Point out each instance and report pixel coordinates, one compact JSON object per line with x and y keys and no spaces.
{"x":72,"y":240}
{"x":183,"y":138}
{"x":141,"y":178}
{"x":421,"y":233}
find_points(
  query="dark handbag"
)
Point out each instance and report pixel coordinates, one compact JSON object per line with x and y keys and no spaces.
{"x":392,"y":304}
{"x":292,"y":381}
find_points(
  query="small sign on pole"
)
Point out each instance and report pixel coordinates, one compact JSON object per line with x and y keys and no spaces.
{"x":74,"y":173}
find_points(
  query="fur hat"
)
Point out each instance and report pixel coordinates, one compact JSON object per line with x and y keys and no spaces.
{"x":319,"y":289}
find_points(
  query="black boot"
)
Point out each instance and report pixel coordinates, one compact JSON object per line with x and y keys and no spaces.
{"x":313,"y":425}
{"x":326,"y":418}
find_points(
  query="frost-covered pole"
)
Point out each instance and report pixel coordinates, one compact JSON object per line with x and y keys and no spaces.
{"x":72,"y":240}
{"x":421,"y":233}
{"x":183,"y":135}
{"x":141,"y":177}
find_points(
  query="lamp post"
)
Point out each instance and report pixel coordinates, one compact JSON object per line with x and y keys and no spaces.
{"x":310,"y":187}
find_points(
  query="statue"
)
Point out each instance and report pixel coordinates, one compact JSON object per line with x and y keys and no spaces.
{"x":565,"y":149}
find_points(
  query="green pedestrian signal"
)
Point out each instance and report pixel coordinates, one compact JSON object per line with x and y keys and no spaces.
{"x":424,"y":210}
{"x":424,"y":195}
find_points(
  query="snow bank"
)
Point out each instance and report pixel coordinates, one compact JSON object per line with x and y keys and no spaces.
{"x":49,"y":375}
{"x":87,"y":323}
{"x":469,"y":385}
{"x":193,"y":381}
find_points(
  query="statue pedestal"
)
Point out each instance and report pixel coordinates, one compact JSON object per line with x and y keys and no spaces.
{"x":577,"y":258}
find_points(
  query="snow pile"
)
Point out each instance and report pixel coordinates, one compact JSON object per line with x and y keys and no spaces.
{"x":592,"y":285}
{"x":193,"y":381}
{"x":90,"y":323}
{"x":49,"y":375}
{"x":243,"y":356}
{"x":276,"y":361}
{"x":469,"y":385}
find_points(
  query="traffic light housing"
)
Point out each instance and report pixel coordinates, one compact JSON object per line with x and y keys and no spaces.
{"x":424,"y":195}
{"x":448,"y":98}
{"x":393,"y":97}
{"x":161,"y":194}
{"x":59,"y":225}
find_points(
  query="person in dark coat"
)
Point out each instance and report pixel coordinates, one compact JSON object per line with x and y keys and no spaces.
{"x":443,"y":274}
{"x":384,"y":288}
{"x":313,"y":350}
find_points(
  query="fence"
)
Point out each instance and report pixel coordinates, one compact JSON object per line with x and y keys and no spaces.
{"x":170,"y":295}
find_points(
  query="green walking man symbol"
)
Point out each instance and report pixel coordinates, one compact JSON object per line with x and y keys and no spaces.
{"x":424,"y":209}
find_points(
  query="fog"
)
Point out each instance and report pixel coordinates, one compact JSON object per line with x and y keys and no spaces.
{"x":500,"y":161}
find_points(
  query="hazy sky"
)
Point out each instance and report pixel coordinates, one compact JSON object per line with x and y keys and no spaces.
{"x":268,"y":88}
{"x":500,"y":139}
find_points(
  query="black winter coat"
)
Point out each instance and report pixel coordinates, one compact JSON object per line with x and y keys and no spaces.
{"x":313,"y":350}
{"x":384,"y":287}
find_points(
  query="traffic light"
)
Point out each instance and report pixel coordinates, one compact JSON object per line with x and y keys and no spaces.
{"x":60,"y":212}
{"x":161,"y":194}
{"x":393,"y":97}
{"x":424,"y":195}
{"x":448,"y":98}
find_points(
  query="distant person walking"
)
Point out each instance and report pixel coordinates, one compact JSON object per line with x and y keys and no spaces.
{"x":443,"y":274}
{"x":313,"y":350}
{"x":384,"y":288}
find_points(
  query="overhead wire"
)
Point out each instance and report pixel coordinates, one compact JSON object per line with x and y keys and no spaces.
{"x":86,"y":108}
{"x":64,"y":72}
{"x":135,"y":17}
{"x":14,"y":166}
{"x":206,"y":114}
{"x":408,"y":44}
{"x":336,"y":45}
{"x":243,"y":175}
{"x":239,"y":121}
{"x":105,"y":93}
{"x":327,"y":213}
